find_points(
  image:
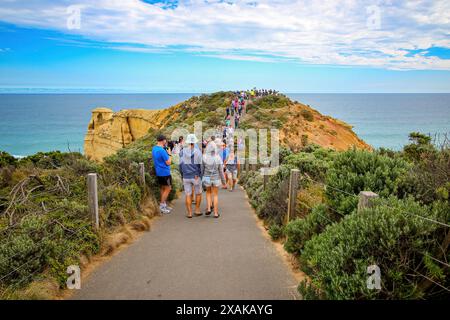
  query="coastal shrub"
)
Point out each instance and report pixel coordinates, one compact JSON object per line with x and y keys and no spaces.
{"x":44,"y":242}
{"x":310,"y":195}
{"x":273,"y":201}
{"x":300,"y":230}
{"x":6,"y":159}
{"x":313,"y":162}
{"x":393,"y":235}
{"x":428,"y":179}
{"x":275,"y":231}
{"x":47,"y":226}
{"x":271,"y":102}
{"x":119,"y":203}
{"x":307,"y":115}
{"x":271,"y":204}
{"x":355,"y":170}
{"x":51,"y":160}
{"x":284,"y":152}
{"x":420,"y":145}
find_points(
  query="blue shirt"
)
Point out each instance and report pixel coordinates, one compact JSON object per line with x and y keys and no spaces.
{"x":160,"y":157}
{"x":224,"y":154}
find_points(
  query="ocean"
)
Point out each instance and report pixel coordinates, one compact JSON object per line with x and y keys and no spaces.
{"x":43,"y":122}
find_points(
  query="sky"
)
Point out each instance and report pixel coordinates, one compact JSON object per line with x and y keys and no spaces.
{"x":210,"y":45}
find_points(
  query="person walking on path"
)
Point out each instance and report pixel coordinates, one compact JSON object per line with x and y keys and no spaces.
{"x":191,"y":170}
{"x":223,"y":154}
{"x":161,"y":160}
{"x":236,"y":120}
{"x":232,"y":165}
{"x":212,"y":178}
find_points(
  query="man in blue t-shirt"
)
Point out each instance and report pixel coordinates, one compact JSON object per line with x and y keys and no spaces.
{"x":162,"y":159}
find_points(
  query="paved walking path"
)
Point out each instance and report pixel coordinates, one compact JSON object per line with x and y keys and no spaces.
{"x":198,"y":258}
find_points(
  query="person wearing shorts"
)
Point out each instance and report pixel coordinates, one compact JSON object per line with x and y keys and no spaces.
{"x":212,"y":178}
{"x":232,"y":166}
{"x":161,"y":160}
{"x":190,"y":169}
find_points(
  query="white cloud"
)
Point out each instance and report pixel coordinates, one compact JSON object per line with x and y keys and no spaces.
{"x":312,"y":32}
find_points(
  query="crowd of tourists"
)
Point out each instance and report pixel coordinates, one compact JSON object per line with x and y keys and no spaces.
{"x":207,"y":165}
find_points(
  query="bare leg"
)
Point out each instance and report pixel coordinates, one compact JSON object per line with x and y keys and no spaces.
{"x":165,"y":190}
{"x":230,"y":181}
{"x":198,"y":201}
{"x":215,"y":192}
{"x":189,"y":204}
{"x":208,"y":199}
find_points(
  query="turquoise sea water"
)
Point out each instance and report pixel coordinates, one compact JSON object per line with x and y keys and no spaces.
{"x":42,"y":122}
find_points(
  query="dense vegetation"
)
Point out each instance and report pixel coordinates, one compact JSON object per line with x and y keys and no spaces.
{"x":405,"y":233}
{"x":45,"y":224}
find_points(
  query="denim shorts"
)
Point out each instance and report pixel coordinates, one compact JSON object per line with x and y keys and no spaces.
{"x":208,"y":182}
{"x":190,"y":184}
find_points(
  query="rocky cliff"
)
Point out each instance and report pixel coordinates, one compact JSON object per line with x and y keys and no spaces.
{"x":298,"y":124}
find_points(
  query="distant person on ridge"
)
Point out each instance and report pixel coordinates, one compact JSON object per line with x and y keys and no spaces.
{"x":212,"y":178}
{"x":161,"y":155}
{"x":191,"y":170}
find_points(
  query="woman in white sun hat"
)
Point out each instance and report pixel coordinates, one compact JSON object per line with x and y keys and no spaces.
{"x":212,"y":177}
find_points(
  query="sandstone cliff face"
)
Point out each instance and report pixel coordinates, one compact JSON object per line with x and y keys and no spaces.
{"x":316,"y":128}
{"x":298,"y":124}
{"x":109,"y":131}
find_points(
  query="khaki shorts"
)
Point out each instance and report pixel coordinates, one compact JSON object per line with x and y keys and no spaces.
{"x":232,"y":174}
{"x":190,"y":184}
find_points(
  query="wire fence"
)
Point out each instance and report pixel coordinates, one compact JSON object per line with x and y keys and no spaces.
{"x":75,"y":224}
{"x":286,"y":193}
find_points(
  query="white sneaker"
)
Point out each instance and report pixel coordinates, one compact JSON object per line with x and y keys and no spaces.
{"x":163,"y":210}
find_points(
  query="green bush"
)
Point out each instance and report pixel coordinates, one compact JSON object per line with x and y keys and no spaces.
{"x":307,"y":115}
{"x":392,"y":235}
{"x":276,"y":231}
{"x":6,"y":159}
{"x":51,"y":160}
{"x":315,"y":163}
{"x":270,"y":102}
{"x":429,"y":178}
{"x":420,"y":145}
{"x":353,"y":171}
{"x":299,"y":231}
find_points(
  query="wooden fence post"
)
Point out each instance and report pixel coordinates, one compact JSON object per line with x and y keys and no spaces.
{"x":142,"y":174}
{"x":365,"y":199}
{"x":293,"y":188}
{"x":93,"y":199}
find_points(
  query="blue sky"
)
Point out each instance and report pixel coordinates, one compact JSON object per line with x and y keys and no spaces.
{"x":203,"y":46}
